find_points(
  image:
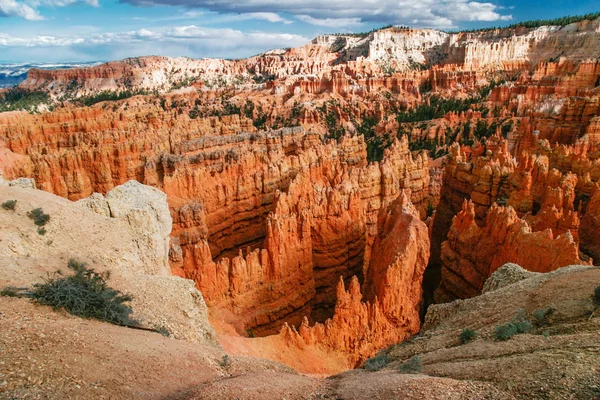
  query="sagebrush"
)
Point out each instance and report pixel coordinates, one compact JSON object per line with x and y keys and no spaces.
{"x":412,"y":366}
{"x":38,"y":216}
{"x":467,"y":335}
{"x":376,"y":363}
{"x":9,"y":205}
{"x":85,"y":294}
{"x":519,"y":324}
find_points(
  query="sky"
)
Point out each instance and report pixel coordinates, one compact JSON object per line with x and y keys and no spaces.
{"x":102,"y":30}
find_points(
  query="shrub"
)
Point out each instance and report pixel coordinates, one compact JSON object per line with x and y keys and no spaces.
{"x":38,"y":216}
{"x":505,"y":331}
{"x":467,"y":335}
{"x":412,"y":366}
{"x":225,"y":361}
{"x":540,"y":316}
{"x":41,"y":231}
{"x":430,"y":210}
{"x":376,"y":363}
{"x":597,"y":296}
{"x":9,"y":205}
{"x":523,"y":326}
{"x":9,"y":292}
{"x":85,"y":294}
{"x":519,"y":324}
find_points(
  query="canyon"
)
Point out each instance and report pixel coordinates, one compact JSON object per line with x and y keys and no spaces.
{"x":321,"y":199}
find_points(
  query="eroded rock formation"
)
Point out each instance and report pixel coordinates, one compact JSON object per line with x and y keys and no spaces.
{"x":389,"y":310}
{"x":297,"y":180}
{"x":471,"y":254}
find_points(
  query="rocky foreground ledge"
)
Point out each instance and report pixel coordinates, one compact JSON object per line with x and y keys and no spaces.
{"x":49,"y":354}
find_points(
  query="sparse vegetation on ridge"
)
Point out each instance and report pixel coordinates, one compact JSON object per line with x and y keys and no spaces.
{"x":563,"y":21}
{"x":377,"y":362}
{"x":9,"y":205}
{"x":38,"y":216}
{"x":467,"y":335}
{"x":108,"y":95}
{"x":16,"y":98}
{"x":85,"y":294}
{"x":413,"y":366}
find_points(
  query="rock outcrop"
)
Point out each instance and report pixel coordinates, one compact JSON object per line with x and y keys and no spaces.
{"x":146,"y":211}
{"x":127,"y":244}
{"x":471,"y":254}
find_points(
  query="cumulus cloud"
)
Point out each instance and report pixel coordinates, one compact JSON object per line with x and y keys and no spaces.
{"x":434,"y":13}
{"x":190,"y":40}
{"x":28,"y":9}
{"x":12,"y":8}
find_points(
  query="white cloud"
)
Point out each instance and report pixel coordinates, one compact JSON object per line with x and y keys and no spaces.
{"x":28,"y":9}
{"x":338,"y":13}
{"x":267,"y":16}
{"x":12,"y":8}
{"x":190,"y":40}
{"x":330,"y":22}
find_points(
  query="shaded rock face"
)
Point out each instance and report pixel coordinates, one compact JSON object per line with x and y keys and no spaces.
{"x":389,"y":310}
{"x":322,"y":227}
{"x":590,"y":227}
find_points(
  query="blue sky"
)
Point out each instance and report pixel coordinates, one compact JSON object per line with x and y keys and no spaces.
{"x":90,"y":30}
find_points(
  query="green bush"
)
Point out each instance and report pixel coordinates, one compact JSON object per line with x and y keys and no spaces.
{"x":9,"y":205}
{"x":38,"y":216}
{"x":523,"y":326}
{"x":540,"y":316}
{"x":376,"y":363}
{"x":225,"y":361}
{"x":9,"y":292}
{"x":505,"y":331}
{"x":519,"y":324}
{"x":412,"y":366}
{"x":467,"y":335}
{"x":85,"y":294}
